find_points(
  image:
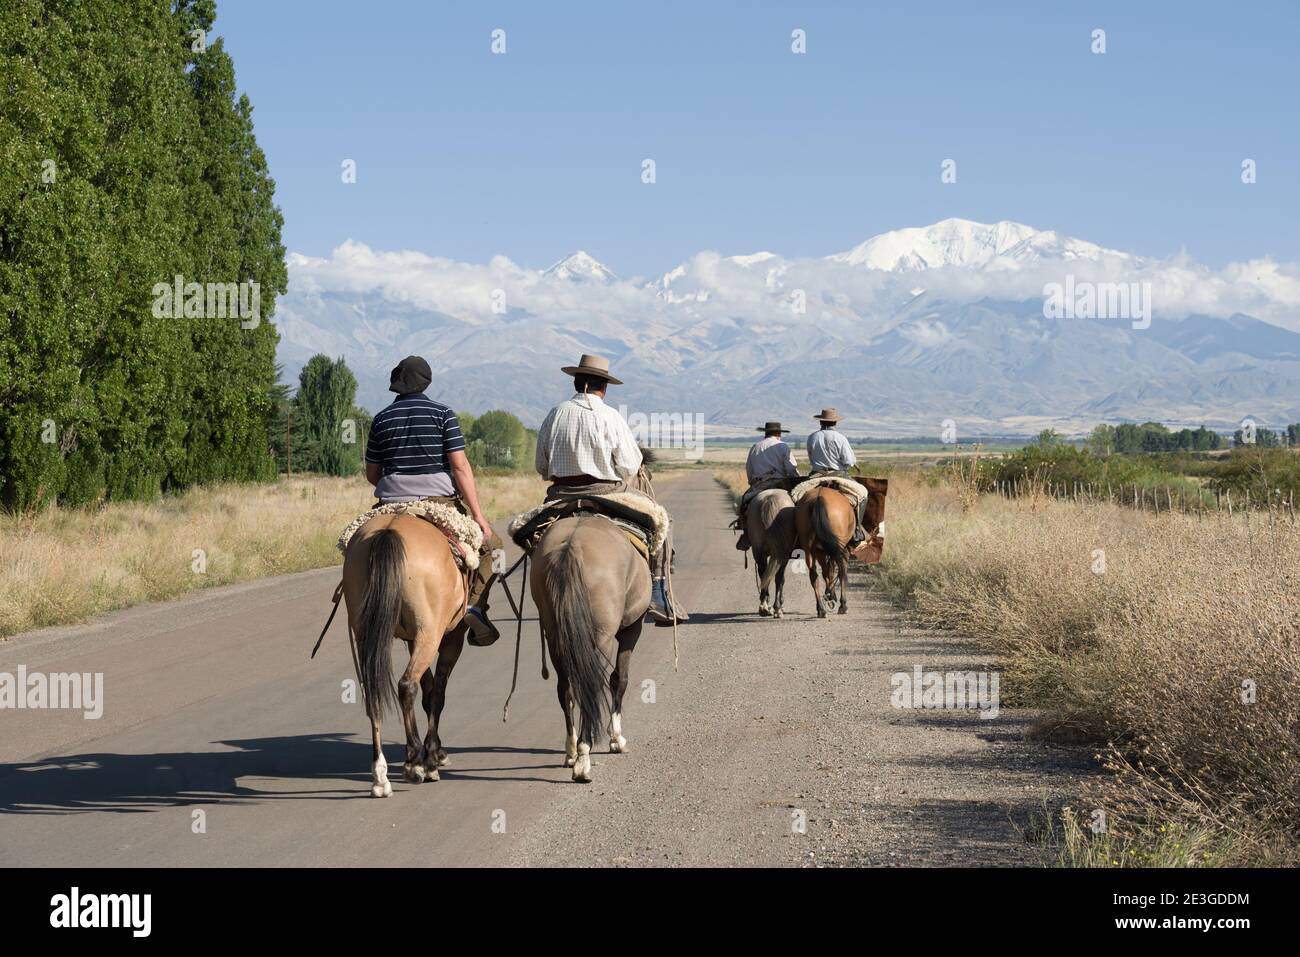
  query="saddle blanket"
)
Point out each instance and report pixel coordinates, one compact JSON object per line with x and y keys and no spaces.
{"x":854,"y":491}
{"x":462,"y":532}
{"x":622,"y":507}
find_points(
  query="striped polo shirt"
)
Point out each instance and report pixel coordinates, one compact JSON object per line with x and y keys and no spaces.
{"x":412,"y":437}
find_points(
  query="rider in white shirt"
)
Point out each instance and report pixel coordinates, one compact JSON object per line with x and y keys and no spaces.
{"x":584,"y":447}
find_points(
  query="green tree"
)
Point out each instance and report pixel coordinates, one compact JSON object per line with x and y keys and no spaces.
{"x":1102,"y":440}
{"x":324,"y":422}
{"x":500,"y":439}
{"x":128,"y":161}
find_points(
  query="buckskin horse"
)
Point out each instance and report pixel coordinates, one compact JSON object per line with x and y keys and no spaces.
{"x":401,"y":582}
{"x":824,"y":523}
{"x":591,"y":587}
{"x":769,"y":522}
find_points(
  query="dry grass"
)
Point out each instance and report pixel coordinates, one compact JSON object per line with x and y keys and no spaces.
{"x":66,"y":565}
{"x":1171,"y":641}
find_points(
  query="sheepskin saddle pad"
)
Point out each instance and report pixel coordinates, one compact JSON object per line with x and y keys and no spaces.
{"x":632,"y":511}
{"x":462,"y":532}
{"x":854,"y":491}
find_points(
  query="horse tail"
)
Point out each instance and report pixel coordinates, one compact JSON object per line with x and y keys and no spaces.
{"x":576,"y":649}
{"x":380,"y":609}
{"x":825,"y":535}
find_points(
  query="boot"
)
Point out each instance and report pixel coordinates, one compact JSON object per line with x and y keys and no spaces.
{"x":859,"y":532}
{"x":481,"y":631}
{"x":659,"y":608}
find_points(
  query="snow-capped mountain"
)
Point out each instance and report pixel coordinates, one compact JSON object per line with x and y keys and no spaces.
{"x":581,"y":267}
{"x":901,"y":332}
{"x":968,"y":245}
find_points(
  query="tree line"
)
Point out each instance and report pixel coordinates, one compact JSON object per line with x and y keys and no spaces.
{"x":140,"y":256}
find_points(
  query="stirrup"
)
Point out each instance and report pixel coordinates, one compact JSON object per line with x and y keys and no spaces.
{"x":481,"y":631}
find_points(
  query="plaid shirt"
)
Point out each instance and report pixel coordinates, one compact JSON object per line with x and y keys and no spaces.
{"x":584,"y":436}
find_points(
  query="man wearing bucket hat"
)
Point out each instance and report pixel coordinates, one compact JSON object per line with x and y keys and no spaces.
{"x":770,"y":464}
{"x":829,"y":453}
{"x":585,"y":447}
{"x":416,"y":452}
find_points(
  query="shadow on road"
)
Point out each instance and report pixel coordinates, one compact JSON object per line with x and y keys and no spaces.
{"x":141,"y":783}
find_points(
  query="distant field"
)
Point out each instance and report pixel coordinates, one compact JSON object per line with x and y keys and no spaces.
{"x":1170,"y":640}
{"x":66,"y":565}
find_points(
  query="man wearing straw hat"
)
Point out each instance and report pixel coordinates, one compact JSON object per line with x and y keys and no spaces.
{"x":770,"y":464}
{"x":829,"y":453}
{"x":584,"y":447}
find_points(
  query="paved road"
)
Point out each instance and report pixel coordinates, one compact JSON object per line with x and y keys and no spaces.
{"x":221,"y":744}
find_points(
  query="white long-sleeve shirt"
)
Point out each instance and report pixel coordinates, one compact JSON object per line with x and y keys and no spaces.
{"x":829,"y":451}
{"x":584,"y":436}
{"x":770,"y":458}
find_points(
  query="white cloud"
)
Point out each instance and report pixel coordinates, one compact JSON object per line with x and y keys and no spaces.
{"x":759,"y":288}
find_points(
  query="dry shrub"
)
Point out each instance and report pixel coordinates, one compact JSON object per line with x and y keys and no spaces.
{"x":1150,"y":653}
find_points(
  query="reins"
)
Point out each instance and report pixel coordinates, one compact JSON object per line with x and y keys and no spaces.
{"x":338,"y":595}
{"x":518,"y":609}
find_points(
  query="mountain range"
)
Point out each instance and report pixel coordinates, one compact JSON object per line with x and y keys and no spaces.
{"x":901,"y":332}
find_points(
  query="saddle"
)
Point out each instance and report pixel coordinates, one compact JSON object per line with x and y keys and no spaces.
{"x":462,"y":532}
{"x":642,"y":520}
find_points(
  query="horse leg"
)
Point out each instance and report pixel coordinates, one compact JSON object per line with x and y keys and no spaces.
{"x":423,"y":650}
{"x":760,"y":570}
{"x":582,"y":764}
{"x":380,"y":787}
{"x":566,"y":705}
{"x":844,"y":580}
{"x":434,"y":685}
{"x":828,"y":566}
{"x":811,"y":559}
{"x":627,"y":639}
{"x":779,"y":602}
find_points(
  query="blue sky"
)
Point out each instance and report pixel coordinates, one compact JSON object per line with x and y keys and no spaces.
{"x":538,"y":152}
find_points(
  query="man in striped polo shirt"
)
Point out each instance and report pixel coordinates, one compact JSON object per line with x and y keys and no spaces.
{"x":416,"y":451}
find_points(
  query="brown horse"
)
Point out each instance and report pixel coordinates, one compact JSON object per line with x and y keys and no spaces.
{"x":401,"y":582}
{"x":824,"y":522}
{"x":592,"y":589}
{"x":769,"y":522}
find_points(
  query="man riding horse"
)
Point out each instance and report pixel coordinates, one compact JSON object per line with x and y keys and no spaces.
{"x":585,"y":448}
{"x":416,"y":452}
{"x":829,"y":453}
{"x":770,"y":464}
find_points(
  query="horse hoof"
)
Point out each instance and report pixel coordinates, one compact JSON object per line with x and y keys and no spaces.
{"x":821,"y":613}
{"x":443,"y":760}
{"x":570,"y":760}
{"x":618,"y":745}
{"x":777,"y":614}
{"x":844,"y":610}
{"x":582,"y":771}
{"x":414,"y":773}
{"x":381,"y":790}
